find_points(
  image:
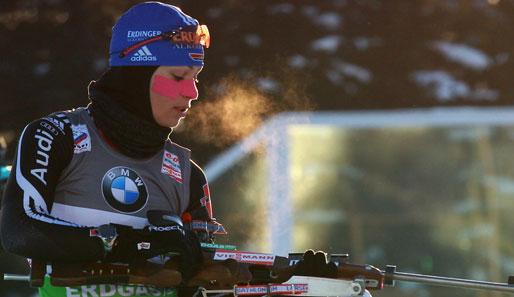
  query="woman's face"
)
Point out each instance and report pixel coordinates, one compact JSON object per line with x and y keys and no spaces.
{"x":172,"y":88}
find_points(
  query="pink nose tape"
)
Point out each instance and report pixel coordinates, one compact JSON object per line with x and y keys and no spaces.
{"x":171,"y":88}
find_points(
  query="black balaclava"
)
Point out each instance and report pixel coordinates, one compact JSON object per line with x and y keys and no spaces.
{"x":122,"y":111}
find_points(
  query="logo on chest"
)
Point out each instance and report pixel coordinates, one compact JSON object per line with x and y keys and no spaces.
{"x":81,"y":139}
{"x":171,"y":166}
{"x":124,"y":190}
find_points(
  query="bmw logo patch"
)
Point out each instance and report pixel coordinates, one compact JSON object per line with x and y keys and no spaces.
{"x":124,"y":190}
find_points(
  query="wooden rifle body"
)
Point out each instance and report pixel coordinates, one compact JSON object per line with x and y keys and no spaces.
{"x":213,"y":274}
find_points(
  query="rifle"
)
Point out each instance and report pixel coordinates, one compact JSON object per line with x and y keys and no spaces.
{"x":245,"y":273}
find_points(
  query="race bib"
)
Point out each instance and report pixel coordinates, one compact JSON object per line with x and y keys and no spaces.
{"x":104,"y":290}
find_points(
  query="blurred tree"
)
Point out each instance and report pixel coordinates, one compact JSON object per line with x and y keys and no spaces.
{"x":365,"y":54}
{"x":287,"y":55}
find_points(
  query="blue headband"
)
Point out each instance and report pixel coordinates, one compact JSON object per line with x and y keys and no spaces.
{"x":144,"y":22}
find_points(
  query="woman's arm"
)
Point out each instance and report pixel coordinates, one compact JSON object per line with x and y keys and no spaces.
{"x":200,"y":207}
{"x":45,"y":148}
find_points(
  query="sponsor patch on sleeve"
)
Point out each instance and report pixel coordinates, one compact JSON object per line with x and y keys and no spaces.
{"x":81,"y":139}
{"x":206,"y":200}
{"x":171,"y":166}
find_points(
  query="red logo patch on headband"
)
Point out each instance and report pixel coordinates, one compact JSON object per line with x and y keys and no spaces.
{"x":196,"y":57}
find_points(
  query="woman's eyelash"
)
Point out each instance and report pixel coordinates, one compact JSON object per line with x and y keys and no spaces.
{"x":179,"y":78}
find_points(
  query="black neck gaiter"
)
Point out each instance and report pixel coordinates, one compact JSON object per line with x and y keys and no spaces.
{"x":121,"y":109}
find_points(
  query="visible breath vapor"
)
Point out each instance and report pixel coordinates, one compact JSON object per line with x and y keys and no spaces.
{"x":235,"y":108}
{"x":231,"y":116}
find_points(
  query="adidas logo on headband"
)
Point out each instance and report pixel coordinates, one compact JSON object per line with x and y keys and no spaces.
{"x":143,"y":54}
{"x":155,"y":33}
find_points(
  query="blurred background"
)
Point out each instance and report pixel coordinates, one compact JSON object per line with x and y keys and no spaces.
{"x":432,"y":198}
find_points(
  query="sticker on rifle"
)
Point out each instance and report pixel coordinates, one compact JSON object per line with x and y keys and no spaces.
{"x":283,"y":289}
{"x":218,"y":246}
{"x":143,"y":246}
{"x":244,"y":257}
{"x":289,"y":289}
{"x":171,"y":166}
{"x":251,"y":290}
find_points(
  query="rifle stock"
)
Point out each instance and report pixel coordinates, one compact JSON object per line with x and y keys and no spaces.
{"x":213,"y":274}
{"x":79,"y":274}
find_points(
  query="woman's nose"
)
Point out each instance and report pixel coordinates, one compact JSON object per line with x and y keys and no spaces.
{"x":189,"y":89}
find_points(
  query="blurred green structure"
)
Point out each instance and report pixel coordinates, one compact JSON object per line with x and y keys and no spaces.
{"x":428,"y":190}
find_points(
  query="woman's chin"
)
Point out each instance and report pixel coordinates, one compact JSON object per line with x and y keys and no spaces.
{"x":174,"y":124}
{"x":177,"y":123}
{"x":169,"y":123}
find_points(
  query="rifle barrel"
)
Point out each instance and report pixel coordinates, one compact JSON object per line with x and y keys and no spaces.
{"x":16,"y":277}
{"x":446,"y":281}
